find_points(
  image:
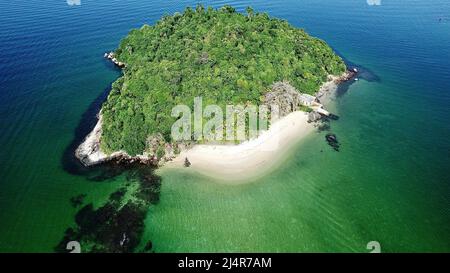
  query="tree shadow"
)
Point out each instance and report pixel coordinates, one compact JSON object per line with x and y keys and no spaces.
{"x":117,"y":225}
{"x":72,"y":165}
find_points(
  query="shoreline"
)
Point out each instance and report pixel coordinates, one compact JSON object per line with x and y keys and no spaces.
{"x":227,"y":163}
{"x":242,"y":163}
{"x":329,"y":88}
{"x":90,"y":154}
{"x":245,"y":162}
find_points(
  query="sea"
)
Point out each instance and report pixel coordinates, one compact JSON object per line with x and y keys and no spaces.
{"x":389,"y":182}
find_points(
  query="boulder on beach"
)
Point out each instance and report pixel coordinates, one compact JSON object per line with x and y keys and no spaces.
{"x":187,"y":163}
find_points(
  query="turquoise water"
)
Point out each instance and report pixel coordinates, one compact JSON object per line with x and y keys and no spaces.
{"x":388,"y":183}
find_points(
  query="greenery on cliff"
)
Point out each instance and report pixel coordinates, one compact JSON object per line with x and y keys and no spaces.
{"x":224,"y":56}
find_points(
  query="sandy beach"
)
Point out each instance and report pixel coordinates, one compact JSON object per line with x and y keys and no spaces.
{"x":228,"y":163}
{"x":254,"y":158}
{"x":250,"y":159}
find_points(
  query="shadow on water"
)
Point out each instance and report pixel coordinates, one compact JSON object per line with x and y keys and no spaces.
{"x":87,"y":123}
{"x":118,"y":225}
{"x":364,"y":73}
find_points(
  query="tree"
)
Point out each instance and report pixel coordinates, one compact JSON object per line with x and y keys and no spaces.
{"x":221,"y":55}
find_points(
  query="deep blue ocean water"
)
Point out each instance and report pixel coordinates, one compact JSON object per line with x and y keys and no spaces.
{"x":52,"y":70}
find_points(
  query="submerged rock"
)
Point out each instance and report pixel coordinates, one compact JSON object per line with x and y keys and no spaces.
{"x":324,"y":126}
{"x":148,"y":246}
{"x":332,"y":141}
{"x":78,"y":200}
{"x":333,"y":117}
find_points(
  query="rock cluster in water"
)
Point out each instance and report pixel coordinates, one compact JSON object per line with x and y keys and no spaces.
{"x":118,"y":225}
{"x":332,"y":141}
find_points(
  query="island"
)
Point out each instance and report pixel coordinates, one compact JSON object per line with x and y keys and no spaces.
{"x":224,"y":58}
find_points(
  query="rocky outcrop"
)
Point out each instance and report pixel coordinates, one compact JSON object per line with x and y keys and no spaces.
{"x":89,"y":152}
{"x":348,"y":75}
{"x":290,"y":99}
{"x":285,"y":96}
{"x":314,"y":116}
{"x":333,"y":81}
{"x":111,"y":56}
{"x":157,"y":153}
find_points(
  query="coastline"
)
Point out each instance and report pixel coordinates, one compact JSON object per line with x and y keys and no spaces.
{"x":90,"y":154}
{"x":228,"y":163}
{"x":242,"y":163}
{"x":328,"y":89}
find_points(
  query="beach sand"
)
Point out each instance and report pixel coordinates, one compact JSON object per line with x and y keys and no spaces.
{"x":255,"y":158}
{"x":228,"y":163}
{"x":248,"y":160}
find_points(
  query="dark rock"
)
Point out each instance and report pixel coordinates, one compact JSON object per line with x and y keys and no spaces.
{"x":323,"y":127}
{"x":117,"y":226}
{"x":332,"y":141}
{"x":187,"y":163}
{"x":331,"y":138}
{"x":148,"y":246}
{"x":77,"y":201}
{"x":333,"y":117}
{"x":117,"y":195}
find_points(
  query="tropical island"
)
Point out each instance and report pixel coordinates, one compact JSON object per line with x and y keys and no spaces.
{"x":224,"y":57}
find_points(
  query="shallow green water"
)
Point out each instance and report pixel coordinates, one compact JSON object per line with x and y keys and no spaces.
{"x":389,"y":182}
{"x":374,"y":189}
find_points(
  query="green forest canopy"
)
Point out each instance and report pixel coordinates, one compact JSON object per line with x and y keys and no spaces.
{"x":221,"y":55}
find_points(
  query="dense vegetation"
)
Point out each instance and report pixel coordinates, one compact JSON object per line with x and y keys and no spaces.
{"x":224,"y":56}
